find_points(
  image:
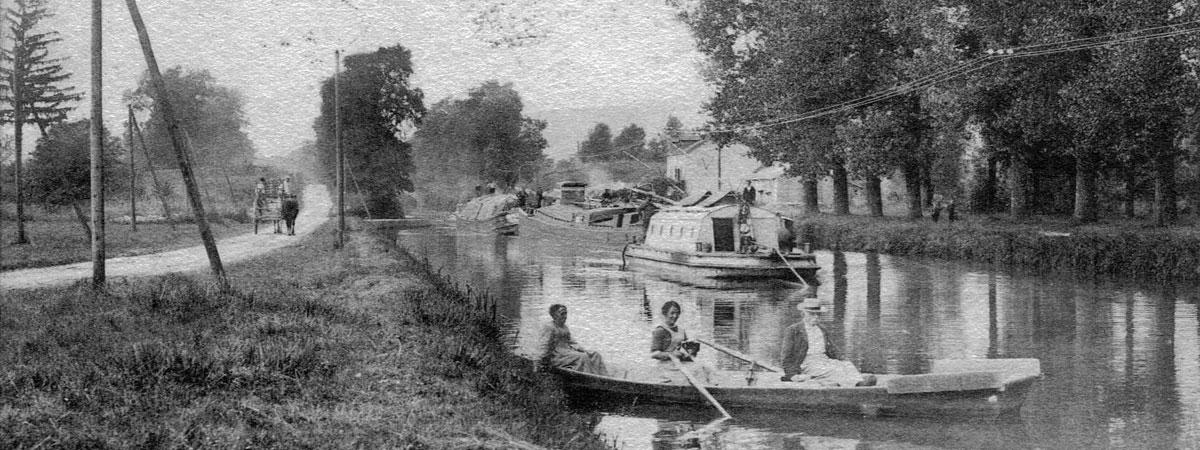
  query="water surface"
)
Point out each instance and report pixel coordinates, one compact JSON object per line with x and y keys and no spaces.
{"x":1121,"y":359}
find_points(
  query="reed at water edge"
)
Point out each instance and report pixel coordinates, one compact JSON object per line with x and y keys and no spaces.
{"x":1148,"y":253}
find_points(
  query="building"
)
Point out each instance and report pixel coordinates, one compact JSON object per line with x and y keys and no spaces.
{"x":704,"y":166}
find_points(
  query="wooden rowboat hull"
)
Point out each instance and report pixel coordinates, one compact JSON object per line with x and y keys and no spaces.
{"x":996,"y":400}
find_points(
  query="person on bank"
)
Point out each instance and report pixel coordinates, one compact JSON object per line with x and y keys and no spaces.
{"x":749,"y":194}
{"x":808,"y":356}
{"x":669,"y":339}
{"x":559,"y":349}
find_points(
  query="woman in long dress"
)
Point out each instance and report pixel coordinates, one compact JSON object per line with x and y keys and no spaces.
{"x":809,"y":357}
{"x":559,"y":349}
{"x":667,"y":340}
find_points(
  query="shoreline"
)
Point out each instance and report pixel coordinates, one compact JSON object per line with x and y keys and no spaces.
{"x":312,"y":347}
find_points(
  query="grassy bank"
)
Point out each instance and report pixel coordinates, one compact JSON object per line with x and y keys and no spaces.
{"x":349,"y":349}
{"x":1125,"y":250}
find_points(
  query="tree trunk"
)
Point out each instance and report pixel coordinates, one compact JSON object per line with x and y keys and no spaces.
{"x":841,"y":190}
{"x":927,"y":184}
{"x":1164,"y":187}
{"x":1085,"y":187}
{"x":989,"y":187}
{"x":912,"y":189}
{"x":19,"y":178}
{"x":83,"y":219}
{"x":811,"y":200}
{"x":874,"y":194}
{"x":1128,"y":202}
{"x":1018,"y":186}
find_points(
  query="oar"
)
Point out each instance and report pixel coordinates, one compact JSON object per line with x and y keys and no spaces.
{"x":741,"y":356}
{"x":789,"y":266}
{"x":698,"y":386}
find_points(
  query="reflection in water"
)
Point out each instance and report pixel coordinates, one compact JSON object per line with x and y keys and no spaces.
{"x":1121,"y":362}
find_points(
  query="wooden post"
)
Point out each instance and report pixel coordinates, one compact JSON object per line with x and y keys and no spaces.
{"x":17,"y":80}
{"x":96,"y":143}
{"x":153,"y":175}
{"x":337,"y":139}
{"x":132,"y":174}
{"x":177,"y":142}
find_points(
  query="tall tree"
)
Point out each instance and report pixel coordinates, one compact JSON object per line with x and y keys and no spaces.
{"x":60,"y":173}
{"x":483,"y":138}
{"x":211,"y":115}
{"x":1133,"y":104}
{"x":630,"y":141}
{"x":378,"y":104}
{"x":598,"y":147}
{"x":36,"y":93}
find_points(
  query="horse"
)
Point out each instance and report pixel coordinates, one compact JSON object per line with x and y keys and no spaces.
{"x":289,"y":210}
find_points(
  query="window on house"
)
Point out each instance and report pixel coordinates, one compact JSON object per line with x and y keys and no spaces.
{"x":678,"y":174}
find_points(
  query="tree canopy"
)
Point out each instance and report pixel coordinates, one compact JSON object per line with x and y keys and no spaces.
{"x":377,"y":104}
{"x":211,"y":116}
{"x":484,"y":138}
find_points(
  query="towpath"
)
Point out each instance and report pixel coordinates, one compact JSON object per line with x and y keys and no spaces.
{"x":314,"y":211}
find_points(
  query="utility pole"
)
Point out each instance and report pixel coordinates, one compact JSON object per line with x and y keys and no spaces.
{"x":132,"y":174}
{"x":337,"y":145}
{"x":18,"y":79}
{"x":166,"y":207}
{"x":96,"y":143}
{"x":177,"y":142}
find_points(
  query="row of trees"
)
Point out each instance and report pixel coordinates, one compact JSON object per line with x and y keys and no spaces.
{"x":861,"y":90}
{"x":629,"y":157}
{"x":35,"y":90}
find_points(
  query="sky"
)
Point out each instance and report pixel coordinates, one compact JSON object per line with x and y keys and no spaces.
{"x":628,"y":58}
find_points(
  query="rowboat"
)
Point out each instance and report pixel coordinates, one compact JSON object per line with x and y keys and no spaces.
{"x":953,"y":388}
{"x":721,"y":241}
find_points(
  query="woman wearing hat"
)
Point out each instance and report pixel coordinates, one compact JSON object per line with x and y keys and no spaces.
{"x":809,"y":356}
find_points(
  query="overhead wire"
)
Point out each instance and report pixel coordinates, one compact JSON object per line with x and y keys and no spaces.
{"x":967,"y":67}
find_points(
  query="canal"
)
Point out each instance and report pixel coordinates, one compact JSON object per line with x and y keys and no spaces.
{"x":1121,"y":359}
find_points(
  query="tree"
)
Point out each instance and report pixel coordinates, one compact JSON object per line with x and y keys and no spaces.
{"x":1132,"y":105}
{"x":484,"y":138}
{"x":60,"y":173}
{"x":210,"y":115}
{"x":377,"y":103}
{"x":630,"y":141}
{"x":35,"y":85}
{"x":598,"y":146}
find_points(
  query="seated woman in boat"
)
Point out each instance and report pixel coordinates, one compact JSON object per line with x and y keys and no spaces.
{"x":809,"y":357}
{"x":559,"y":349}
{"x":669,"y":339}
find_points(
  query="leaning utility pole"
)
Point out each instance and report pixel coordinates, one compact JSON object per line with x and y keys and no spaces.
{"x":96,"y":143}
{"x":132,"y":174}
{"x":166,"y":207}
{"x":177,"y":141}
{"x":337,"y":145}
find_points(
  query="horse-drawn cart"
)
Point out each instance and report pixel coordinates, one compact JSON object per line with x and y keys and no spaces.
{"x":271,"y":205}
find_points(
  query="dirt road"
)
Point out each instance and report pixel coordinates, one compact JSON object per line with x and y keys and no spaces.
{"x":314,"y":210}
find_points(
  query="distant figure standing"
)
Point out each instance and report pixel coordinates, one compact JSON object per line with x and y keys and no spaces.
{"x":749,"y":194}
{"x":260,"y":190}
{"x":286,"y":187}
{"x":950,"y":211}
{"x":289,"y":209}
{"x":937,"y":211}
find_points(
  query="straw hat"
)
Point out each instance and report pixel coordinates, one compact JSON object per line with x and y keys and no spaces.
{"x":810,"y":304}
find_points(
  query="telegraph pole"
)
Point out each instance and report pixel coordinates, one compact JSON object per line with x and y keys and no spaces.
{"x":132,"y":174}
{"x":96,"y":143}
{"x":153,"y":175}
{"x":178,"y":143}
{"x":337,"y":144}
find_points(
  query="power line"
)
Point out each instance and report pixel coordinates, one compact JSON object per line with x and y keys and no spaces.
{"x":993,"y":57}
